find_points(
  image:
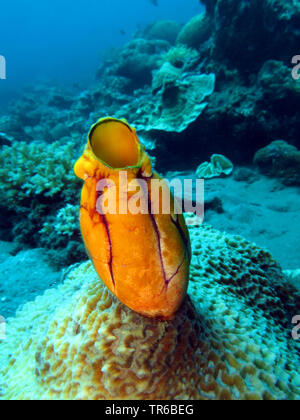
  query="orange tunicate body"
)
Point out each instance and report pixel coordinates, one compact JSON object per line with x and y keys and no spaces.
{"x":142,"y":258}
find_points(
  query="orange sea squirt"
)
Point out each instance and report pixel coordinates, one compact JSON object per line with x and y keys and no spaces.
{"x":143,"y":258}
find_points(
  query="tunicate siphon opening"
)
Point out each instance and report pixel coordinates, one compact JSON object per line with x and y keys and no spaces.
{"x":115,"y":144}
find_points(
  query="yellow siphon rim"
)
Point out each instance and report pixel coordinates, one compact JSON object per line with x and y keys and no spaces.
{"x":122,"y":121}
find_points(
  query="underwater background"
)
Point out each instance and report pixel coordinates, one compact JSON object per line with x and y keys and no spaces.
{"x":213,"y":89}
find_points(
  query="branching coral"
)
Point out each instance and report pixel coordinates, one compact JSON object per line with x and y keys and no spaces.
{"x":30,"y":170}
{"x":230,"y":340}
{"x":61,"y":235}
{"x":35,"y":179}
{"x":65,"y":223}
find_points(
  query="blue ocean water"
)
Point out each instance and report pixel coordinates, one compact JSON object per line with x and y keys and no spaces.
{"x":213,"y":90}
{"x":63,"y":40}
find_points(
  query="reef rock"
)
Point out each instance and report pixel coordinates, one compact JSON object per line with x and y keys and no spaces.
{"x":248,"y":33}
{"x":231,"y":339}
{"x":280,"y":160}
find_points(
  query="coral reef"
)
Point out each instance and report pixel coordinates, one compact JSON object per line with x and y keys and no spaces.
{"x":178,"y":101}
{"x":166,"y":30}
{"x":46,"y":113}
{"x":255,"y":99}
{"x":219,"y":165}
{"x":196,"y":31}
{"x":294,"y":277}
{"x":267,"y":29}
{"x":35,"y":179}
{"x":156,"y":85}
{"x":5,"y":139}
{"x":281,"y":160}
{"x":137,"y":60}
{"x":65,"y":223}
{"x":35,"y":169}
{"x":167,"y":75}
{"x":181,"y":57}
{"x":230,"y":340}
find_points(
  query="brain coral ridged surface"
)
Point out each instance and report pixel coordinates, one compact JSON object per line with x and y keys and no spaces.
{"x":231,"y":338}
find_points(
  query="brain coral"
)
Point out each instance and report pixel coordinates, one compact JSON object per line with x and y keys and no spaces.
{"x":231,"y":339}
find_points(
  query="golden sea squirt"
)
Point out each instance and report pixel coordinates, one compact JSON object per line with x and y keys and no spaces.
{"x":143,"y":257}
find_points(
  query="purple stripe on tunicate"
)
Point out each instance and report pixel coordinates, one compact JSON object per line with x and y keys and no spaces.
{"x":110,"y":263}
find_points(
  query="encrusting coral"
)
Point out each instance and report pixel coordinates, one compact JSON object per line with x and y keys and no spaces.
{"x":231,"y":339}
{"x":179,"y":100}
